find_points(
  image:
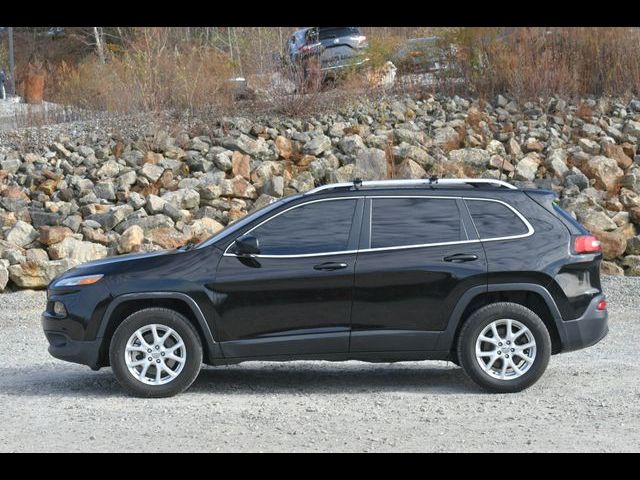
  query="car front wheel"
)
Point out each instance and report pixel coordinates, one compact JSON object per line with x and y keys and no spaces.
{"x":155,"y":352}
{"x":504,"y":347}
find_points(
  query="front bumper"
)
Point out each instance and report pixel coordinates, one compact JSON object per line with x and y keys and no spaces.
{"x":63,"y":347}
{"x":586,"y":330}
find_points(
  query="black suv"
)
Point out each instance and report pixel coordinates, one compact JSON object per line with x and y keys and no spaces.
{"x":477,"y":272}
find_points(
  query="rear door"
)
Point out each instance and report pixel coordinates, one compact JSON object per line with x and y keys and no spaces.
{"x":418,"y":256}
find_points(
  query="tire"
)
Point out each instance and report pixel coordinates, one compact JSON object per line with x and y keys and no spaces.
{"x":493,"y":352}
{"x":184,"y":369}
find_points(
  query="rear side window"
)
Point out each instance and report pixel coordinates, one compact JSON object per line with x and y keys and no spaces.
{"x":495,"y":220}
{"x":397,"y":222}
{"x":318,"y":227}
{"x":325,"y":33}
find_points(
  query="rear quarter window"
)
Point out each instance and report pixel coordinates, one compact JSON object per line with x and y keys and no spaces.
{"x":495,"y":220}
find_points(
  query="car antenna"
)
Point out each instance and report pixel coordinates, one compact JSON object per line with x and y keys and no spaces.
{"x":357,"y":183}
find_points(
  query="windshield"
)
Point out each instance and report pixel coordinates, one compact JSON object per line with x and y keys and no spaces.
{"x":237,"y":225}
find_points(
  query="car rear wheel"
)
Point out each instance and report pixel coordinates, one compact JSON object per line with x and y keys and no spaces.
{"x":504,"y":347}
{"x":155,"y":352}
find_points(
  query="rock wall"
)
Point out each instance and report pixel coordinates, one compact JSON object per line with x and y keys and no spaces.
{"x":78,"y":192}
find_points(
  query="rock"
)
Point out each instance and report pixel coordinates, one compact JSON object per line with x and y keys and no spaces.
{"x":50,"y":235}
{"x":303,"y":182}
{"x":241,"y":188}
{"x":186,"y":198}
{"x":589,"y":146}
{"x":246,"y":144}
{"x":533,"y":145}
{"x":475,"y":158}
{"x":632,"y":264}
{"x":223,"y":161}
{"x":21,"y":234}
{"x":131,"y":239}
{"x":154,"y":204}
{"x":105,"y":190}
{"x":77,"y":250}
{"x":40,"y":274}
{"x":447,"y":139}
{"x":167,"y":238}
{"x":351,"y":144}
{"x":241,"y":165}
{"x":633,"y":246}
{"x":4,"y":277}
{"x":613,"y":243}
{"x":596,"y":220}
{"x":556,"y":161}
{"x":371,"y":164}
{"x":49,"y":186}
{"x":274,"y":187}
{"x":632,"y":128}
{"x":317,"y":145}
{"x":412,"y":137}
{"x":618,"y":154}
{"x":610,"y":268}
{"x":527,"y":168}
{"x":151,"y":171}
{"x":204,"y":228}
{"x":36,"y":255}
{"x":284,"y":147}
{"x":410,"y":170}
{"x":605,"y":171}
{"x":262,"y":201}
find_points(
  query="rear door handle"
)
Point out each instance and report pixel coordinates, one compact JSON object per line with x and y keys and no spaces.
{"x":461,"y":257}
{"x":330,"y":266}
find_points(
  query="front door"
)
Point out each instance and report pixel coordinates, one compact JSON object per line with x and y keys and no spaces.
{"x":419,"y":259}
{"x":295,"y":296}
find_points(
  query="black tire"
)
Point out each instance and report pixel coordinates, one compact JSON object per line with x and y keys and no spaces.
{"x":168,"y":318}
{"x":483,"y":317}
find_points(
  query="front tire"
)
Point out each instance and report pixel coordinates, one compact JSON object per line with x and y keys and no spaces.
{"x":504,"y":347}
{"x":155,"y":352}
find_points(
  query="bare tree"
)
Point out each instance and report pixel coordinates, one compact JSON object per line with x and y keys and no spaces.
{"x":98,"y":35}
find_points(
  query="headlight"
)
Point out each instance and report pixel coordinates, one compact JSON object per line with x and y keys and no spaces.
{"x":75,"y":281}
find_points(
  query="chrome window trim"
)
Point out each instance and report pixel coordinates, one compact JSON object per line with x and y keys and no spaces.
{"x":530,"y":229}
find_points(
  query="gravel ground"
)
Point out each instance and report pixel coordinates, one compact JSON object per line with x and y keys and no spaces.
{"x":587,"y":400}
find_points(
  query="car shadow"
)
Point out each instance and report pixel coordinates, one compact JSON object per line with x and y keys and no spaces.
{"x":251,"y":378}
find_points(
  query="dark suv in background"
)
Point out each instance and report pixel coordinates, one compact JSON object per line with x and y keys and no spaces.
{"x":490,"y":277}
{"x":337,"y":47}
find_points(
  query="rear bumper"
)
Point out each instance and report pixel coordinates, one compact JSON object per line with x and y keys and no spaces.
{"x":587,"y":330}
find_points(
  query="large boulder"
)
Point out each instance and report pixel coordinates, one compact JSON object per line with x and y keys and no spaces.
{"x":605,"y":171}
{"x":475,"y":158}
{"x":39,"y":274}
{"x":131,"y":239}
{"x":370,"y":164}
{"x":21,"y":234}
{"x":77,"y":250}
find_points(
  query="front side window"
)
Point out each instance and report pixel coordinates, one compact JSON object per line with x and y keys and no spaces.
{"x":495,"y":220}
{"x":319,"y":227}
{"x":397,"y":222}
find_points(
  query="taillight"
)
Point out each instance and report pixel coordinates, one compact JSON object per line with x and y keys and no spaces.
{"x":602,"y":305}
{"x":586,"y":244}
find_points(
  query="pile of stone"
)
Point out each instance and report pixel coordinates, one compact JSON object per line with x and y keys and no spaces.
{"x":89,"y":193}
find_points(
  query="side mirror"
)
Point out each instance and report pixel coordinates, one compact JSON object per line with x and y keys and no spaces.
{"x":247,"y":245}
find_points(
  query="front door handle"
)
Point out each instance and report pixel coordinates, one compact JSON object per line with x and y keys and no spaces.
{"x":461,"y":257}
{"x":330,"y":266}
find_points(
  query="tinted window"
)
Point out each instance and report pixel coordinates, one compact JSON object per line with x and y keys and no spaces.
{"x":325,"y":33}
{"x":495,"y":220}
{"x":313,"y":228}
{"x":414,"y":221}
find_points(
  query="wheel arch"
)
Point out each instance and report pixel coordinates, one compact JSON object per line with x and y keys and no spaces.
{"x":124,"y":305}
{"x":533,"y":296}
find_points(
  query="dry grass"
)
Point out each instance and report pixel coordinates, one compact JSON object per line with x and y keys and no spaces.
{"x":536,"y":62}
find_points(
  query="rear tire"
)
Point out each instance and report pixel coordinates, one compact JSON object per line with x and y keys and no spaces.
{"x":155,"y":352}
{"x":504,"y":347}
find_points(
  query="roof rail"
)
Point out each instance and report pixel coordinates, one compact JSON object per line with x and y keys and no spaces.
{"x":357,"y":183}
